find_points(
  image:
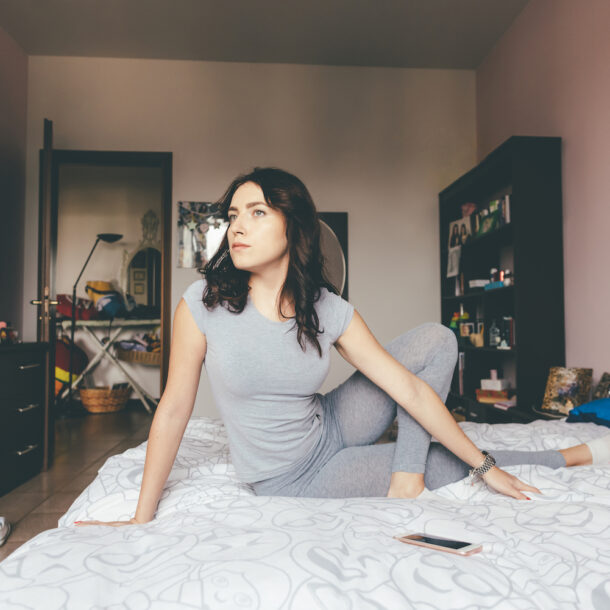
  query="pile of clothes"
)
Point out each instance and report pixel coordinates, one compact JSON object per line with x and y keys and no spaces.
{"x":141,"y":342}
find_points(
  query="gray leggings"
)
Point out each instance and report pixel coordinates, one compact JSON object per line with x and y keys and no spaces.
{"x":362,"y":412}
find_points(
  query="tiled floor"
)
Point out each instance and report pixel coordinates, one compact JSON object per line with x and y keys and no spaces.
{"x":82,"y":446}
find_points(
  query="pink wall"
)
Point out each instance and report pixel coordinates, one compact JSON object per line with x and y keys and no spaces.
{"x":13,"y":106}
{"x":549,"y":75}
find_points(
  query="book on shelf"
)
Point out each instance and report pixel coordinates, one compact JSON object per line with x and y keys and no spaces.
{"x":478,"y":283}
{"x":506,"y":209}
{"x":492,"y":396}
{"x":506,"y":404}
{"x":461,"y":365}
{"x":493,"y":285}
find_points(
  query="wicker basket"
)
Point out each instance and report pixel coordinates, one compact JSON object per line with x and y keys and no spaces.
{"x":132,"y":355}
{"x":104,"y":399}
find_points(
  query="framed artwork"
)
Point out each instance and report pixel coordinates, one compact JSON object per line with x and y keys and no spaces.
{"x":460,"y":232}
{"x":139,"y":275}
{"x":488,"y":223}
{"x":201,"y":228}
{"x":453,"y":261}
{"x":138,"y":288}
{"x":466,"y":329}
{"x":566,"y":388}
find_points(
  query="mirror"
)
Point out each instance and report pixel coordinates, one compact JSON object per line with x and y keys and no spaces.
{"x":333,"y":243}
{"x":143,"y":277}
{"x":141,"y":268}
{"x":334,"y":263}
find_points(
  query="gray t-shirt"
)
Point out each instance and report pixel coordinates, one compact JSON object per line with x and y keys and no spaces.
{"x":263,"y":383}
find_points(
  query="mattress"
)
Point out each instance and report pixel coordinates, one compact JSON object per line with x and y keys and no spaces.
{"x":214,"y":544}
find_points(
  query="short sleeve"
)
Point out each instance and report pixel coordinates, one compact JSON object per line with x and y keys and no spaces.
{"x":346,"y":313}
{"x":337,"y":313}
{"x":193,"y":297}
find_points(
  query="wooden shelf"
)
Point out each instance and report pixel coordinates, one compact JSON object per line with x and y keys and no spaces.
{"x":487,"y":350}
{"x":506,"y":290}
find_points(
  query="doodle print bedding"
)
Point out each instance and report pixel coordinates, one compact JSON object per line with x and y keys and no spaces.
{"x":214,"y":544}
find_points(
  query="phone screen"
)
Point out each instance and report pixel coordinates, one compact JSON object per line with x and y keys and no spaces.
{"x":450,"y":544}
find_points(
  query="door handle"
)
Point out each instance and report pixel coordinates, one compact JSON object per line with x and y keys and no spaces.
{"x":23,"y":367}
{"x":24,"y":451}
{"x":28,"y":408}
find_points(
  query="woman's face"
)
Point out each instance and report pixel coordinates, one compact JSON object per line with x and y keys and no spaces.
{"x":257,"y":232}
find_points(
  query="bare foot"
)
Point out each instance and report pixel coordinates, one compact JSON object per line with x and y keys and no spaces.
{"x":406,"y":485}
{"x":579,"y":455}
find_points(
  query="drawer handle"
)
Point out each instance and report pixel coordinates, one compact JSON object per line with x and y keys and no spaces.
{"x":24,"y":451}
{"x":23,"y":367}
{"x":28,"y":408}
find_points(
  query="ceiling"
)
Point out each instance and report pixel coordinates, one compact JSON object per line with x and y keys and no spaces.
{"x":395,"y":33}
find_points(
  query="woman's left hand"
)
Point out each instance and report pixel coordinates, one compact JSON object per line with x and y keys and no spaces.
{"x":508,"y":484}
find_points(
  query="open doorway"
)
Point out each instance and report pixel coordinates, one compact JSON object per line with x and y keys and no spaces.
{"x":128,"y":194}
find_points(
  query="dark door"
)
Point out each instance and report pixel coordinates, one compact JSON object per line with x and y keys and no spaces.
{"x":45,"y":302}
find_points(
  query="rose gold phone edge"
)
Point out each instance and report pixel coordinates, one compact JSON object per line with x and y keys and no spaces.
{"x":463,"y":552}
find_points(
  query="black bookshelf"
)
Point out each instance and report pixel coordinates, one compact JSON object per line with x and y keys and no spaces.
{"x":528,"y":171}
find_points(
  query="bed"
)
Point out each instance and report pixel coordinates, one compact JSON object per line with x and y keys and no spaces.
{"x":214,"y":544}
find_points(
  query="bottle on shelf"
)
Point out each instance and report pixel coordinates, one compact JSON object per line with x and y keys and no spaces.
{"x":494,"y":335}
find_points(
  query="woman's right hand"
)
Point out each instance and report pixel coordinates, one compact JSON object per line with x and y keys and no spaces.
{"x":506,"y":483}
{"x":132,"y":521}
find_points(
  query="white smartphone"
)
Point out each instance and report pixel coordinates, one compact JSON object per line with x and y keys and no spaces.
{"x":441,"y":544}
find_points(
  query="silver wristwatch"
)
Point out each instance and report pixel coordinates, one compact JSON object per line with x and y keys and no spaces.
{"x":479,"y":471}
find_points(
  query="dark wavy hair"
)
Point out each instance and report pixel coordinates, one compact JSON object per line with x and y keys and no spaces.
{"x":228,"y":286}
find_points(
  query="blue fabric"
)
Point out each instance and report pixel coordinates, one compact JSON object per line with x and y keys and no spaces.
{"x":597,"y":411}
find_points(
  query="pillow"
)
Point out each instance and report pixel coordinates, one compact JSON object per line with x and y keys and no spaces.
{"x":597,"y":411}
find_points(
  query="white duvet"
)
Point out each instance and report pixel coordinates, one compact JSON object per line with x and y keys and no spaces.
{"x":214,"y":544}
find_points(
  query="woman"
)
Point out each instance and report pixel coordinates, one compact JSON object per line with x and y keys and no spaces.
{"x":264,"y":320}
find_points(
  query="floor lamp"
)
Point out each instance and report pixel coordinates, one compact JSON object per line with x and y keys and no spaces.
{"x":109,"y":238}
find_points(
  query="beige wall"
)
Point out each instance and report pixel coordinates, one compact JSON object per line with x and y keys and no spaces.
{"x":13,"y":102}
{"x":379,"y":143}
{"x":549,"y":76}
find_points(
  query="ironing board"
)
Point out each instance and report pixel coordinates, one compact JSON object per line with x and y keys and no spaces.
{"x":118,"y":325}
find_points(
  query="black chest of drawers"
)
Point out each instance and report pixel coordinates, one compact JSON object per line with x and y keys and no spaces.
{"x":22,"y":394}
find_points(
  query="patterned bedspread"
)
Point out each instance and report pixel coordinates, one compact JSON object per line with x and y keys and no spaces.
{"x":216,"y":545}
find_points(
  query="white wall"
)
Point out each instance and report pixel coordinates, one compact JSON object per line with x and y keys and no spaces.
{"x":379,"y":143}
{"x":523,"y":89}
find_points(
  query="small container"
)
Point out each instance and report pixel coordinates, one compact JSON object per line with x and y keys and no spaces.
{"x":494,"y":335}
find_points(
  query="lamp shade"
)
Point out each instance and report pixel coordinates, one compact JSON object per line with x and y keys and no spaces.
{"x":109,"y":237}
